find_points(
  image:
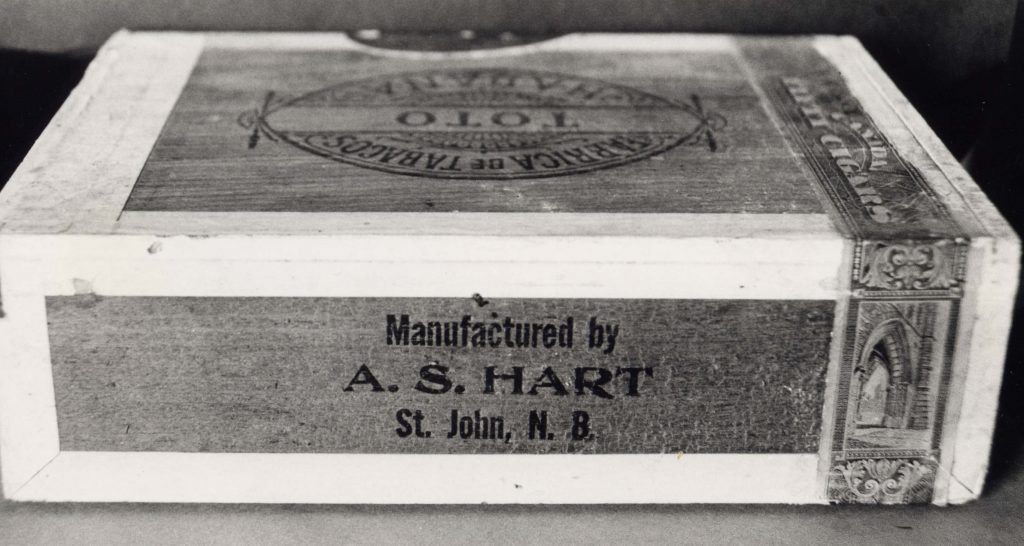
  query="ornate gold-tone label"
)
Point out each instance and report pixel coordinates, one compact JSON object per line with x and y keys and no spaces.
{"x":908,"y":267}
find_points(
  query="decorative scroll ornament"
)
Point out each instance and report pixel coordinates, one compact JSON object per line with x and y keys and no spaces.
{"x":910,"y":266}
{"x":880,"y":481}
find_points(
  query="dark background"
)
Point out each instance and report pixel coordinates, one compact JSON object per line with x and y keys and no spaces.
{"x":961,"y":63}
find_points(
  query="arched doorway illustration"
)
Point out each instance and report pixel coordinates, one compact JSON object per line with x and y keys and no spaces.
{"x":886,"y":378}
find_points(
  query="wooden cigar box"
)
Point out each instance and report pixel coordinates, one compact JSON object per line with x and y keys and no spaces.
{"x":295,"y":268}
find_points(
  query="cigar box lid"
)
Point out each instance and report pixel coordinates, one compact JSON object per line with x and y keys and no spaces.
{"x":584,"y":134}
{"x":707,"y":171}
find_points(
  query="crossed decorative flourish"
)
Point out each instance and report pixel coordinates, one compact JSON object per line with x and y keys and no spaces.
{"x":708,"y":123}
{"x":256,"y":119}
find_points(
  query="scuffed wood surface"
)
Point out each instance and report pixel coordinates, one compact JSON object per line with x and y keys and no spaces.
{"x":267,"y":375}
{"x":205,"y":161}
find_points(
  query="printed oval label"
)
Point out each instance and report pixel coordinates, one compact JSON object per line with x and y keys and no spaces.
{"x":483,"y":123}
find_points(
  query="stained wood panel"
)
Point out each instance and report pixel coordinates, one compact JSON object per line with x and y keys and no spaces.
{"x":713,"y":146}
{"x":282,"y":375}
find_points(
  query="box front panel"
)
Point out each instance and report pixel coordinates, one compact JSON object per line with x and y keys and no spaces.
{"x":438,"y":375}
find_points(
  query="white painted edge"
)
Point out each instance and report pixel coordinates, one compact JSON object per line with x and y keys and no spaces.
{"x":440,"y":266}
{"x":961,"y":366}
{"x":985,"y":327}
{"x":418,"y":479}
{"x":28,"y":415}
{"x":512,"y":224}
{"x":79,"y":173}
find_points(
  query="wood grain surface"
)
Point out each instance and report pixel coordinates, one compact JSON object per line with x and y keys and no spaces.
{"x":205,"y":161}
{"x":269,"y":375}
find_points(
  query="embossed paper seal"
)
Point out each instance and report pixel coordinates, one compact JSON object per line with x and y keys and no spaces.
{"x":485,"y":123}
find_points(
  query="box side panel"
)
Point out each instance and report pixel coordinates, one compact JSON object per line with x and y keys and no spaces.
{"x":990,"y":279}
{"x":910,"y":229}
